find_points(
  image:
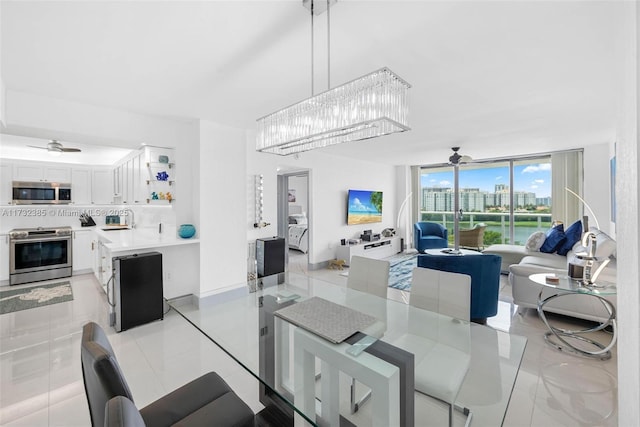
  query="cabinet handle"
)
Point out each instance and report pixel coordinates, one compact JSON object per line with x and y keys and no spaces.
{"x":93,"y":246}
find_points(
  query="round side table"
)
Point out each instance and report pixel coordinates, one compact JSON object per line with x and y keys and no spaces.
{"x":567,"y":286}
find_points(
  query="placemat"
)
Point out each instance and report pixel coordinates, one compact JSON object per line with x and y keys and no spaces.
{"x":331,"y":321}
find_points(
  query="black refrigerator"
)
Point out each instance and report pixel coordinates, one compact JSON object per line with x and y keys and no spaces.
{"x":137,"y":296}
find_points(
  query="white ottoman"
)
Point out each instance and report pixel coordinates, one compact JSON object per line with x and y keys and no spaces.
{"x":511,"y":254}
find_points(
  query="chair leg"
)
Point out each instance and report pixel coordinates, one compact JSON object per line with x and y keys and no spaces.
{"x":356,"y":405}
{"x":450,"y":415}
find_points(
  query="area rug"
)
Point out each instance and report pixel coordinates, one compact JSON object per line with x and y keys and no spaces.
{"x":34,"y":296}
{"x":401,"y":269}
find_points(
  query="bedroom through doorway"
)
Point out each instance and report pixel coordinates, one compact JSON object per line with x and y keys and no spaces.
{"x":296,"y":189}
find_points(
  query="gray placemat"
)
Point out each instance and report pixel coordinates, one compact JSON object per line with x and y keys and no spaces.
{"x":331,"y":321}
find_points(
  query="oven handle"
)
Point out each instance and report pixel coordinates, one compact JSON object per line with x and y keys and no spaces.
{"x":42,"y":239}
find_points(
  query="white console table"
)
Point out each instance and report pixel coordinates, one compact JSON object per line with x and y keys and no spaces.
{"x":382,"y":248}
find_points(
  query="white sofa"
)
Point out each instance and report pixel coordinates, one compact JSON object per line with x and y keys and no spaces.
{"x":525,"y":292}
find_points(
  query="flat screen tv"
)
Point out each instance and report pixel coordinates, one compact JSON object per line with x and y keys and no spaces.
{"x":364,"y":207}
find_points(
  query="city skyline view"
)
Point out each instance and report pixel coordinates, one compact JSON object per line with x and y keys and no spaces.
{"x":534,"y":178}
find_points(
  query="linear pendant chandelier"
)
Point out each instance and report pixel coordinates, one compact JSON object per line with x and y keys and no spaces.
{"x":370,"y":106}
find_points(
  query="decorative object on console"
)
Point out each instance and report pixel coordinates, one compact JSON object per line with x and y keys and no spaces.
{"x":162,"y":176}
{"x":163,"y":159}
{"x":388,"y":232}
{"x":186,"y":231}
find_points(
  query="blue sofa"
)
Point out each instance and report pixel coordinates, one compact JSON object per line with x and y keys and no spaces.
{"x":484,"y":270}
{"x":429,"y":235}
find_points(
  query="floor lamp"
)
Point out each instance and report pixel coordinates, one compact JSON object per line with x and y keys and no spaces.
{"x":400,"y":213}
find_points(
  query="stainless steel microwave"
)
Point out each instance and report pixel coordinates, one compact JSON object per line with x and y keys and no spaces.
{"x":41,"y":193}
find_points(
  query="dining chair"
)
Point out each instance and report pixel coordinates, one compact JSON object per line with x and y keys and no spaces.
{"x":441,"y":344}
{"x":207,"y":400}
{"x":371,"y":276}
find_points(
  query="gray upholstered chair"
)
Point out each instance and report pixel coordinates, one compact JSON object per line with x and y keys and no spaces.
{"x":207,"y":400}
{"x":473,"y":237}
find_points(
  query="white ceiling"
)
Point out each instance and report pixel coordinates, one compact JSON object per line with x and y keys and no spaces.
{"x":22,"y":148}
{"x":497,"y":78}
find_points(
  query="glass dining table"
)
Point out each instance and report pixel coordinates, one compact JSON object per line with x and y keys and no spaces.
{"x":304,"y":377}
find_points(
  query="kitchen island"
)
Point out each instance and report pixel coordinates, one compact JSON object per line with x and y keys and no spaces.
{"x":180,"y":257}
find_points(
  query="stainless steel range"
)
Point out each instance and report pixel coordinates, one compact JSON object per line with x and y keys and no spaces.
{"x":39,"y":254}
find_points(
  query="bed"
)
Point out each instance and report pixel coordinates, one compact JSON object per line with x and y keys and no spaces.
{"x":298,"y":235}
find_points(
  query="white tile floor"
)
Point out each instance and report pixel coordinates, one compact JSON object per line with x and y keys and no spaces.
{"x":41,"y":379}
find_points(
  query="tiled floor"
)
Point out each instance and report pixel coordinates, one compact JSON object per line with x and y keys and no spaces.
{"x":41,"y":380}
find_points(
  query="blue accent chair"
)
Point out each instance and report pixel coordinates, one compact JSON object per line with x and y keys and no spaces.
{"x":484,"y":270}
{"x":429,"y":235}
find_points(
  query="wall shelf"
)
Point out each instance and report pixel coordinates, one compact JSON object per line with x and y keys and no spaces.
{"x":160,"y":165}
{"x":154,"y":181}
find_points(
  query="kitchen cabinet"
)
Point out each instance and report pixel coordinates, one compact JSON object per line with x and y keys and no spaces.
{"x":117,"y":183}
{"x":101,"y":262}
{"x":4,"y":257}
{"x":81,"y":185}
{"x":38,"y":172}
{"x":101,"y":189}
{"x":82,"y":254}
{"x":6,"y":176}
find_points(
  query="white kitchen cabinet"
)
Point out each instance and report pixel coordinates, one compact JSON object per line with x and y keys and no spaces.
{"x":6,"y":176}
{"x":4,"y":257}
{"x":82,"y":253}
{"x":57,"y":174}
{"x":117,"y":181}
{"x":81,"y":186}
{"x":41,"y":172}
{"x":101,"y":262}
{"x":101,"y":188}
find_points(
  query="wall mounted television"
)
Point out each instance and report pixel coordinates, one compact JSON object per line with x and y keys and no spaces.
{"x":364,"y":207}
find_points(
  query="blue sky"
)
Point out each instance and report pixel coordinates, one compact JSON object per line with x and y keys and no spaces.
{"x":534,"y":177}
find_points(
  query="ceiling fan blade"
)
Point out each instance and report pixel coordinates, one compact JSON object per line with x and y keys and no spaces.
{"x":71,"y":150}
{"x":33,"y":146}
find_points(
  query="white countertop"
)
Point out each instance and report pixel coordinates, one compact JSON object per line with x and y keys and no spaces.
{"x":141,"y":238}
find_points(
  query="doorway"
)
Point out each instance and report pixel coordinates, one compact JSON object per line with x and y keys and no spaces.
{"x":293,"y":215}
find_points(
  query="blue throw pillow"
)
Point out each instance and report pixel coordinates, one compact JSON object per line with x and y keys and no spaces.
{"x":573,"y":235}
{"x":555,"y":239}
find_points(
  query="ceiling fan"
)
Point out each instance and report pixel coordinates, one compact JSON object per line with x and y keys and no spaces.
{"x":457,"y":159}
{"x":54,"y":147}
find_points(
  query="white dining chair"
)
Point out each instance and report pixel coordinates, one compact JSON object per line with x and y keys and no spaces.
{"x":441,"y":344}
{"x":370,"y":276}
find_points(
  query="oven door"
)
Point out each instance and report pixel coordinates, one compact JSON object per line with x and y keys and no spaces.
{"x":45,"y":253}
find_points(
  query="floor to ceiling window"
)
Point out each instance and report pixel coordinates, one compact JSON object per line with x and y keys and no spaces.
{"x":511,"y":197}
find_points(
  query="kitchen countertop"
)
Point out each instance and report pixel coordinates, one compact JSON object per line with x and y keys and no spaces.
{"x":141,"y":238}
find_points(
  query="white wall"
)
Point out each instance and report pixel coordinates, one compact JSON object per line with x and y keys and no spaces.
{"x":597,"y":184}
{"x":330,"y":178}
{"x":628,"y":220}
{"x":222,"y":231}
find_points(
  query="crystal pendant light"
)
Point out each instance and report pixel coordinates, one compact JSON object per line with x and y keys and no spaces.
{"x":370,"y":106}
